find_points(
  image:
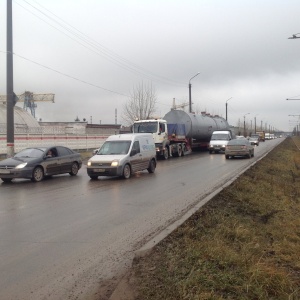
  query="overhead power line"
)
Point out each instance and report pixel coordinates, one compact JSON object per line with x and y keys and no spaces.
{"x":72,"y":77}
{"x":92,"y":45}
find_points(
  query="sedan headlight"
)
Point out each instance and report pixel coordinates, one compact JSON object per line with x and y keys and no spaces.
{"x":115,"y":163}
{"x":20,"y":166}
{"x":89,"y":163}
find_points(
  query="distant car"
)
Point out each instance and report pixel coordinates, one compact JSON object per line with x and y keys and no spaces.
{"x":36,"y":163}
{"x":254,"y":140}
{"x":239,"y":147}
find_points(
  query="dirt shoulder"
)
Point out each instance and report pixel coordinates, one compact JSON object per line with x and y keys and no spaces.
{"x":243,"y":244}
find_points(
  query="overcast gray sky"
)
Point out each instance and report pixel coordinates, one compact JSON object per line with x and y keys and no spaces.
{"x":91,"y":53}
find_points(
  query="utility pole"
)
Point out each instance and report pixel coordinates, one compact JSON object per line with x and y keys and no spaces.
{"x":190,"y":92}
{"x":226,"y":106}
{"x":245,"y":123}
{"x":10,"y":103}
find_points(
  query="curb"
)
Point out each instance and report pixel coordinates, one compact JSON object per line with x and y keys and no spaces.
{"x":123,"y":290}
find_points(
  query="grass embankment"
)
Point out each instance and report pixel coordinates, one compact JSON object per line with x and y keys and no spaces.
{"x":243,"y":244}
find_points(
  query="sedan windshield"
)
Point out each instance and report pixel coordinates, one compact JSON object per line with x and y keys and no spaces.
{"x":114,"y":147}
{"x":31,"y":152}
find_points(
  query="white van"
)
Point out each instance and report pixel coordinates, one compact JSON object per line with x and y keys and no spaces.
{"x":122,"y":155}
{"x":219,"y":140}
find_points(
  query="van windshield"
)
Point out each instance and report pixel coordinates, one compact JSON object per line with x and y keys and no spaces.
{"x":146,"y":127}
{"x":114,"y":147}
{"x":220,"y":137}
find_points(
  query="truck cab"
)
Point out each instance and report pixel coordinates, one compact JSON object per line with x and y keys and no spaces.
{"x":159,"y":130}
{"x":169,"y":139}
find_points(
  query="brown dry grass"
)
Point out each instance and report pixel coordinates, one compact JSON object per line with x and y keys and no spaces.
{"x":244,"y":244}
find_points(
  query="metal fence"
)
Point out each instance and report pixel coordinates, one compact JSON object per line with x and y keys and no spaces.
{"x":73,"y":141}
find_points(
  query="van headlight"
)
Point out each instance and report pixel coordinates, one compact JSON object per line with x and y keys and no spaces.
{"x":21,"y":166}
{"x":115,"y":163}
{"x":89,"y":163}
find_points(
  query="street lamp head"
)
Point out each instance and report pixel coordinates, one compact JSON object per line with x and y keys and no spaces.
{"x":193,"y":77}
{"x":228,"y":99}
{"x":294,"y":36}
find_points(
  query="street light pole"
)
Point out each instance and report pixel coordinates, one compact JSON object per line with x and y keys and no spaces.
{"x":245,"y":123}
{"x":226,"y":106}
{"x":255,"y":123}
{"x":190,"y":92}
{"x":10,"y":139}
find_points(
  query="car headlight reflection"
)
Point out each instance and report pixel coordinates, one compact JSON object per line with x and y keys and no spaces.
{"x":20,"y":166}
{"x":114,"y":163}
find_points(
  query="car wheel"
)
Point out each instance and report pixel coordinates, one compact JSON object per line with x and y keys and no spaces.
{"x":74,"y":169}
{"x":152,"y":166}
{"x":126,"y":171}
{"x":93,"y":177}
{"x":37,"y":174}
{"x":227,"y":156}
{"x":166,"y":154}
{"x":6,"y":179}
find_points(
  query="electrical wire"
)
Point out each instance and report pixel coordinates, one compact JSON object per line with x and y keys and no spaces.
{"x":66,"y":75}
{"x":97,"y":47}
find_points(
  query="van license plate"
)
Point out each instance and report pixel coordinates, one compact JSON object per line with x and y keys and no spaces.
{"x":99,"y":170}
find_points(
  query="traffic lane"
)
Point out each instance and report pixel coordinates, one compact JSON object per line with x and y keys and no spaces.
{"x":75,"y":232}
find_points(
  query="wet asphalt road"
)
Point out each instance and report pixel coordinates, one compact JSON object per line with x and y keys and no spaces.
{"x":61,"y":238}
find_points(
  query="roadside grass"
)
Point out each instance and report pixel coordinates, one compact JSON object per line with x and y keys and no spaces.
{"x":243,"y":244}
{"x":86,"y":155}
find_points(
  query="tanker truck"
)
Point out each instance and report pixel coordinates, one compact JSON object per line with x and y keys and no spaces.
{"x":179,"y":132}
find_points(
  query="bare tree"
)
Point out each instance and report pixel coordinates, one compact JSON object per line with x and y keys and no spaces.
{"x":141,"y":104}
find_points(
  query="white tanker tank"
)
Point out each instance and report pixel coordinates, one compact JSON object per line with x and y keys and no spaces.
{"x":197,"y":126}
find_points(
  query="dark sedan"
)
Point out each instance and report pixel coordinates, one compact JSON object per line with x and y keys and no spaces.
{"x":36,"y":163}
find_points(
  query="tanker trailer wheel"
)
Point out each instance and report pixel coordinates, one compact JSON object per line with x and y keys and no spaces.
{"x":166,"y":153}
{"x":183,"y":150}
{"x":179,"y":152}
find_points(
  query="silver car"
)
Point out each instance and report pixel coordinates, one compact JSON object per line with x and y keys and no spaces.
{"x":254,"y":140}
{"x":239,"y":147}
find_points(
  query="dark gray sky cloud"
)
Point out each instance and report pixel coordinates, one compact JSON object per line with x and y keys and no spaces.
{"x":91,"y":53}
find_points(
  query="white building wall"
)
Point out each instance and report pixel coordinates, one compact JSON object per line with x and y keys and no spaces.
{"x":75,"y":142}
